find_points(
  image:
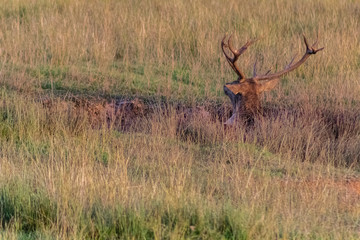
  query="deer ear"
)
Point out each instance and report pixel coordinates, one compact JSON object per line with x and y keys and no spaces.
{"x":269,"y":85}
{"x":237,"y":88}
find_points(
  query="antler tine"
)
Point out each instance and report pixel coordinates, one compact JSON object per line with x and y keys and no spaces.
{"x":312,"y":49}
{"x":292,"y":60}
{"x":317,"y":50}
{"x":315,"y":43}
{"x":309,"y":51}
{"x":268,"y":72}
{"x":229,"y":59}
{"x":223,"y":44}
{"x":254,"y":70}
{"x":306,"y":43}
{"x":236,"y":53}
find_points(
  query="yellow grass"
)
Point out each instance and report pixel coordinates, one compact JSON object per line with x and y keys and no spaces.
{"x":293,"y":175}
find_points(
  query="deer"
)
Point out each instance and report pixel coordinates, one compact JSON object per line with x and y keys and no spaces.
{"x":245,"y":93}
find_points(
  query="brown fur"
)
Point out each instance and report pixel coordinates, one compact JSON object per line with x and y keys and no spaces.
{"x":251,"y":92}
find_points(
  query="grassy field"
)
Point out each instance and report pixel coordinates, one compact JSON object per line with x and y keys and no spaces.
{"x":68,"y":171}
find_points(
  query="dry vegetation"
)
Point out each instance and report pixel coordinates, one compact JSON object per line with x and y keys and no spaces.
{"x":77,"y":161}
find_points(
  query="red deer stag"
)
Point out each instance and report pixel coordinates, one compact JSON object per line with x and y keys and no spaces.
{"x":245,"y":93}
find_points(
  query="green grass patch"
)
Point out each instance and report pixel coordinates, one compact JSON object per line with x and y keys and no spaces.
{"x":26,"y":209}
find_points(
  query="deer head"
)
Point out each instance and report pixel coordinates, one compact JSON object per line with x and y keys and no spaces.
{"x":245,"y":93}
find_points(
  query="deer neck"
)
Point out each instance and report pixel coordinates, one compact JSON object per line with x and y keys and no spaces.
{"x":251,"y":103}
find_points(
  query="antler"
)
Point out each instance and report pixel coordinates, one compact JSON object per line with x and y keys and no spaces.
{"x":309,"y":51}
{"x":236,"y":53}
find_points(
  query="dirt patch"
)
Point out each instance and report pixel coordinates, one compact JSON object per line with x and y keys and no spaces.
{"x":124,"y":113}
{"x":98,"y":112}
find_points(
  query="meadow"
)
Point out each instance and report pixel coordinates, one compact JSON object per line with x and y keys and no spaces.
{"x":167,"y":168}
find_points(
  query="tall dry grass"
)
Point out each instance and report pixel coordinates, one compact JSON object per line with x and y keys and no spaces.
{"x":294,"y":174}
{"x":172,"y":48}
